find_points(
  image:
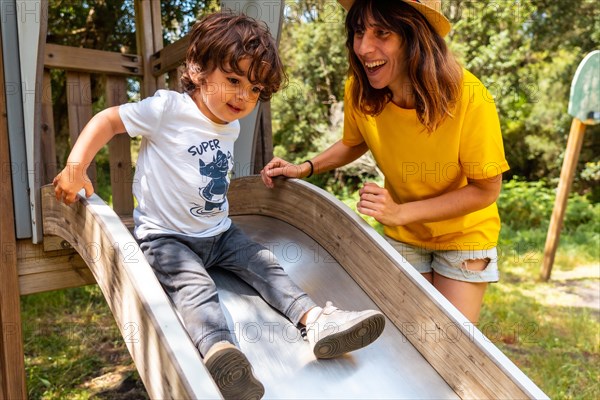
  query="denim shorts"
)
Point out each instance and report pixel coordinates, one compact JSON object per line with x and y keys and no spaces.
{"x":450,"y":263}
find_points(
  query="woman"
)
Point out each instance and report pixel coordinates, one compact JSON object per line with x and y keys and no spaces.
{"x":434,"y":131}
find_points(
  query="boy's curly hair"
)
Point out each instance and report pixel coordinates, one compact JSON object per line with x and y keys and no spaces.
{"x":221,"y":40}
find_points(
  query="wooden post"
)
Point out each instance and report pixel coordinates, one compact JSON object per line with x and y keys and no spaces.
{"x":48,"y":138}
{"x":12,"y":364}
{"x":119,"y":152}
{"x":149,"y":41}
{"x":574,"y":143}
{"x":79,"y":104}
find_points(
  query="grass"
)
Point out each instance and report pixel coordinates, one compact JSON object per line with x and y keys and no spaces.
{"x":74,"y":350}
{"x":545,"y":327}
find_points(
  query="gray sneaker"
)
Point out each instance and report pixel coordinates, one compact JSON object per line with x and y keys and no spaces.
{"x":336,"y":332}
{"x":232,"y":372}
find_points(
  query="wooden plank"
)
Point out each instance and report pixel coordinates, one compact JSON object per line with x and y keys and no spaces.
{"x":456,"y":349}
{"x":91,"y":61}
{"x":168,"y":363}
{"x":48,"y":145}
{"x":79,"y":107}
{"x":42,"y":271}
{"x":12,"y":364}
{"x":170,"y":57}
{"x":119,"y":149}
{"x":63,"y":276}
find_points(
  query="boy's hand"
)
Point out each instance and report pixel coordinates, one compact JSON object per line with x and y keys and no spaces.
{"x":278,"y":166}
{"x":69,"y":182}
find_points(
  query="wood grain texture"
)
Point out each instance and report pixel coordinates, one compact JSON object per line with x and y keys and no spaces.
{"x":53,"y":265}
{"x":457,"y":350}
{"x":79,"y":108}
{"x":48,"y":161}
{"x":167,"y":361}
{"x":12,"y":364}
{"x":149,"y":41}
{"x":119,"y":150}
{"x":170,"y":57}
{"x":91,"y":61}
{"x":574,"y":143}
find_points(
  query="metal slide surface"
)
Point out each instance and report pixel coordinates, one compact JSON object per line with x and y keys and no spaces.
{"x":390,"y":368}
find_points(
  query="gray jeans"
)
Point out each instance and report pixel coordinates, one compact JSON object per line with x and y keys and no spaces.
{"x":181,"y":262}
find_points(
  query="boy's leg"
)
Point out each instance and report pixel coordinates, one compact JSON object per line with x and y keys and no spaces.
{"x":259,"y":268}
{"x":332,"y":333}
{"x":183,"y":276}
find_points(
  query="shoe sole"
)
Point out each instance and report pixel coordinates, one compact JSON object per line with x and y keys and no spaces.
{"x":233,"y":375}
{"x":353,"y":336}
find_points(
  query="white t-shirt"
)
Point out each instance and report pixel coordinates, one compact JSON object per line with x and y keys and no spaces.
{"x":182,"y":172}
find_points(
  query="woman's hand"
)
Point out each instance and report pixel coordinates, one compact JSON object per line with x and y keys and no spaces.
{"x":376,"y":202}
{"x":280,"y":167}
{"x":70,"y":181}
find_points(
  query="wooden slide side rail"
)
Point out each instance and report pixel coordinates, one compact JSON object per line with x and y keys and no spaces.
{"x":457,"y":350}
{"x":165,"y":357}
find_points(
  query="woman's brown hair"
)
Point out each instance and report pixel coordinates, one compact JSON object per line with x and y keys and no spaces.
{"x":221,"y":40}
{"x":435,"y":75}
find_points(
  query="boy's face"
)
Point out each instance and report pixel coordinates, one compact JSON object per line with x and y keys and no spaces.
{"x":224,"y":97}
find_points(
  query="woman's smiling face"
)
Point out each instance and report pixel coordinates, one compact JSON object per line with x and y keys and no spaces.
{"x":381,"y":53}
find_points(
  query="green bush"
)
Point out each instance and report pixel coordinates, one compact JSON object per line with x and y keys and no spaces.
{"x":528,"y":205}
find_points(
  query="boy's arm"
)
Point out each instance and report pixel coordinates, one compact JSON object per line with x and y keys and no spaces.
{"x":98,"y":132}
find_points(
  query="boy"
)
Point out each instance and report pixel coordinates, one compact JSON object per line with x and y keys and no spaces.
{"x":181,"y":182}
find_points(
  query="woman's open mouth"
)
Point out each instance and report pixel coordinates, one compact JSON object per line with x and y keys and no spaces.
{"x":374,"y":66}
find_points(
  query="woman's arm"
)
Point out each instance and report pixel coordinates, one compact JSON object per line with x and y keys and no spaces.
{"x":98,"y":132}
{"x":335,"y":156}
{"x":376,"y":202}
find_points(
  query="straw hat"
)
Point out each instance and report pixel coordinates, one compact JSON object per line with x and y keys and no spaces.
{"x":430,"y":9}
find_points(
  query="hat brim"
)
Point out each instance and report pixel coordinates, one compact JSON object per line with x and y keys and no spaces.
{"x":435,"y":18}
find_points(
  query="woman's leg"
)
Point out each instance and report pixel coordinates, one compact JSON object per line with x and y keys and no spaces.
{"x":466,"y":296}
{"x":463,"y":276}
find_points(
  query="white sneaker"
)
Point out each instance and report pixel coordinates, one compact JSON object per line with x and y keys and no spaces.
{"x":232,"y":372}
{"x":336,"y":332}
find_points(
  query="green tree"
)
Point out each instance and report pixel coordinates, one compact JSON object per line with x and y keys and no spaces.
{"x":526,"y":53}
{"x":313,"y":52}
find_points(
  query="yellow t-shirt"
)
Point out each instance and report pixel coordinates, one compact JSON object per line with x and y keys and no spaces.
{"x":419,"y":165}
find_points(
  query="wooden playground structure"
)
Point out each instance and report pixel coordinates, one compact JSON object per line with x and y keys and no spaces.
{"x":47,"y":245}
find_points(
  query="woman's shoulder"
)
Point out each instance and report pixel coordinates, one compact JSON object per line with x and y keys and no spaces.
{"x":474,"y":91}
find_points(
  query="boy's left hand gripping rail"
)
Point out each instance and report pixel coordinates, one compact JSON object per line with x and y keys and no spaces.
{"x":167,"y":360}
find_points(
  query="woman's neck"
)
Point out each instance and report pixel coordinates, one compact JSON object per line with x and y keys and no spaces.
{"x":403,"y":94}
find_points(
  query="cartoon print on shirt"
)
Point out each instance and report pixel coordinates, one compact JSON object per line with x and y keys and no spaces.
{"x":215,"y":191}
